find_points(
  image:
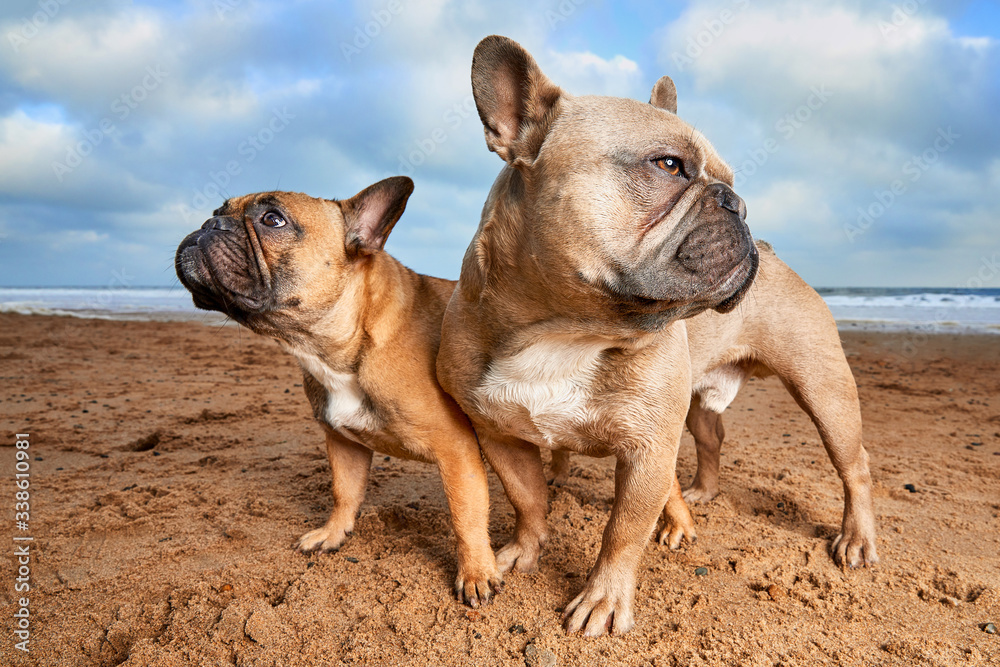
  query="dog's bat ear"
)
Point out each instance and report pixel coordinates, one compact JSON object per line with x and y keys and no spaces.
{"x":370,"y":215}
{"x":664,"y":94}
{"x":516,"y":101}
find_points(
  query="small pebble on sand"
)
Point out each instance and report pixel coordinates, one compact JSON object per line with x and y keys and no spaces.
{"x":538,"y":657}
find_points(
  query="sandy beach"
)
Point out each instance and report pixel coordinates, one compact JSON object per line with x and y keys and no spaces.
{"x":174,"y":464}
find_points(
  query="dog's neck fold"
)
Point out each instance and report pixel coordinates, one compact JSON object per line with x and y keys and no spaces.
{"x":360,"y":318}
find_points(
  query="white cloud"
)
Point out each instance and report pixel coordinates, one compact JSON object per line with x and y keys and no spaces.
{"x":792,"y":206}
{"x":27,"y":146}
{"x":586,"y":73}
{"x":86,"y":58}
{"x":109,"y":65}
{"x":768,"y":54}
{"x":807,"y":44}
{"x":72,"y":239}
{"x":67,"y":164}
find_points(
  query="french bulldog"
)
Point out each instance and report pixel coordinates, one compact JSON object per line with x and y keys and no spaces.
{"x":312,"y":274}
{"x":612,"y":222}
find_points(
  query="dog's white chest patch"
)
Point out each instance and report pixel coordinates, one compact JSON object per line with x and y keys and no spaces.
{"x":542,"y":390}
{"x":345,"y":407}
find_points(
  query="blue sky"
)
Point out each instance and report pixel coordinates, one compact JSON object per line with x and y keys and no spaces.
{"x":863,"y":134}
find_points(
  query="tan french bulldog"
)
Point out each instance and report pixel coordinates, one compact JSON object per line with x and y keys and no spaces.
{"x":783,"y":329}
{"x":311,"y":273}
{"x":612,"y":221}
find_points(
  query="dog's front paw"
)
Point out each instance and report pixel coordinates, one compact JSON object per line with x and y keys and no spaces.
{"x":327,"y":538}
{"x":855,"y":548}
{"x":520,"y":556}
{"x":477,"y":586}
{"x":600,"y":608}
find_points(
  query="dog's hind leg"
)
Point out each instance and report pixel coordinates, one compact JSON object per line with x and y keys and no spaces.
{"x":559,"y":467}
{"x":706,"y":427}
{"x":826,"y":390}
{"x":712,"y":394}
{"x":349,"y":465}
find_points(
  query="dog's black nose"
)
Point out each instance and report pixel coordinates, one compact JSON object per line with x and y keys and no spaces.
{"x":223,"y":223}
{"x":729,"y":200}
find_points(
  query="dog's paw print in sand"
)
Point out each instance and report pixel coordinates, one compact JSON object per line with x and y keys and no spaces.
{"x":259,"y":507}
{"x":949,"y":588}
{"x":158,"y":633}
{"x":157,"y":441}
{"x":417,"y":521}
{"x":132,"y":623}
{"x":207,"y":415}
{"x":775,"y":507}
{"x":126,"y":509}
{"x":817,"y":590}
{"x":145,"y":443}
{"x":247,"y":412}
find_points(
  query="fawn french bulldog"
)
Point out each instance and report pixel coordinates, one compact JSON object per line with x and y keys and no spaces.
{"x":311,"y":273}
{"x":612,"y":221}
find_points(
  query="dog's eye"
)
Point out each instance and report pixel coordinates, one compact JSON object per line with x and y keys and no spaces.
{"x":273,"y":219}
{"x":671,"y":165}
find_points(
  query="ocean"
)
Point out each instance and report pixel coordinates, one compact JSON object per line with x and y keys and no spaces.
{"x":931,"y":310}
{"x":112,"y":303}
